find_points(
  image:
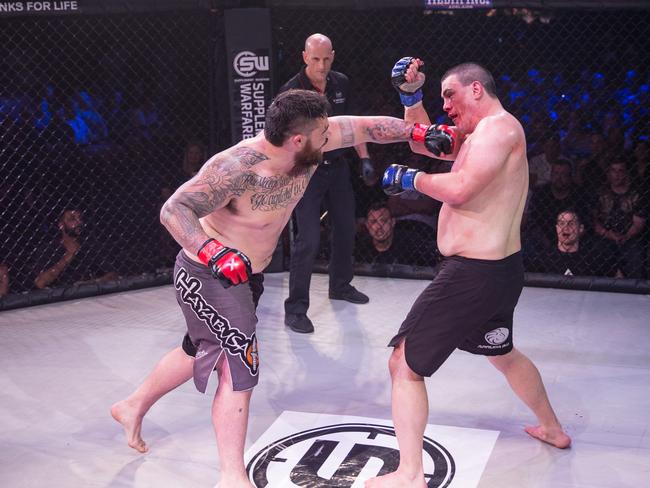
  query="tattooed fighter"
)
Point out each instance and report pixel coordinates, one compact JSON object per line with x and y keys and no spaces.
{"x":228,"y":219}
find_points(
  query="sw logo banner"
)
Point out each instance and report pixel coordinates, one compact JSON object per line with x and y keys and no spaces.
{"x":337,"y":451}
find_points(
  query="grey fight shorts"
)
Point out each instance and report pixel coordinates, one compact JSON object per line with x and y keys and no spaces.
{"x":219,"y":321}
{"x":469,"y":305}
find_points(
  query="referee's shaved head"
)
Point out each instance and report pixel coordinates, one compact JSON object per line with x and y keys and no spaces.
{"x":317,"y":40}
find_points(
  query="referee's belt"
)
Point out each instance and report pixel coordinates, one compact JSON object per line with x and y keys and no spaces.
{"x":331,"y":161}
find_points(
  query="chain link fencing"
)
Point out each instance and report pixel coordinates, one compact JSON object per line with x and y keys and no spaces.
{"x":103,"y":116}
{"x":577,"y":80}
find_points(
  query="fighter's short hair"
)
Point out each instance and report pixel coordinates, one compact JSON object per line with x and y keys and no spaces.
{"x":470,"y":72}
{"x":292,"y":112}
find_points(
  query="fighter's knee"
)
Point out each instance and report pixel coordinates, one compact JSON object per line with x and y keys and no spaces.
{"x":395,"y":360}
{"x":398,"y":366}
{"x":504,"y":361}
{"x":497,"y":361}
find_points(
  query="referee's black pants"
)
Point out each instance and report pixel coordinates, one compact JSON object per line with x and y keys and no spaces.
{"x":332,"y":187}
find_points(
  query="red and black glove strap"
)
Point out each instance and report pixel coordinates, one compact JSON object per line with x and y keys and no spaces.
{"x":210,"y":251}
{"x":418,"y":132}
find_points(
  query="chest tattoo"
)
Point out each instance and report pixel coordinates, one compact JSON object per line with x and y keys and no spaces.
{"x":277,"y":192}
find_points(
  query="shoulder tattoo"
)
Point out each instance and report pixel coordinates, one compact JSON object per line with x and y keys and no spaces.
{"x":248,"y":157}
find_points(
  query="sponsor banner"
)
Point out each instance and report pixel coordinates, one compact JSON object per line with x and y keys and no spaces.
{"x":46,"y":7}
{"x":307,"y":449}
{"x":248,"y":41}
{"x":457,"y":4}
{"x":64,"y":7}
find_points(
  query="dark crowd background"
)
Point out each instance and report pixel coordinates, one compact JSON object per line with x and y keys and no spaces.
{"x":102,"y":117}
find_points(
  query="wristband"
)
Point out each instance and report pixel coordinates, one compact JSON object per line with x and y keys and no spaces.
{"x":208,"y":250}
{"x":408,"y":180}
{"x":410,"y":99}
{"x":418,"y":132}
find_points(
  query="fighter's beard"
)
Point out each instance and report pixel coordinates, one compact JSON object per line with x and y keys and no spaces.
{"x":305,"y":159}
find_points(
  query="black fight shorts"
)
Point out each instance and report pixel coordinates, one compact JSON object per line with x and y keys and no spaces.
{"x":219,"y":320}
{"x":469,"y":305}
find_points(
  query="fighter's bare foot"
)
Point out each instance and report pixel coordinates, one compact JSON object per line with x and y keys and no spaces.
{"x":128,"y":416}
{"x":395,"y":480}
{"x":555,"y":438}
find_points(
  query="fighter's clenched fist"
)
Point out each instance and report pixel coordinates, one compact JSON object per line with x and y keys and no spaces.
{"x":229,"y":266}
{"x":407,"y":78}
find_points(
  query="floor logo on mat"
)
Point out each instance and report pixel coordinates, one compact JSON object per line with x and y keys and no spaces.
{"x":309,"y":450}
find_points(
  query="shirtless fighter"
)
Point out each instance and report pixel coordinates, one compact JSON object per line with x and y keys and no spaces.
{"x":228,"y":219}
{"x":470,"y":303}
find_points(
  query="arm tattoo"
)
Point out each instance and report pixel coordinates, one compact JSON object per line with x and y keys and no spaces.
{"x":198,"y":202}
{"x":347,"y":132}
{"x":388,"y":129}
{"x":225,"y":177}
{"x":183,"y":224}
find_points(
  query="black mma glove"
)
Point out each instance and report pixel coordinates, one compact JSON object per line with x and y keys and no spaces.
{"x":436,"y":138}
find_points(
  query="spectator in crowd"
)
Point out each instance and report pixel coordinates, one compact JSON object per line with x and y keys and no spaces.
{"x":194,"y":157}
{"x":391,"y":242}
{"x":620,"y":217}
{"x":616,"y":141}
{"x":548,"y":200}
{"x":574,"y":254}
{"x":540,"y":166}
{"x":70,"y":258}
